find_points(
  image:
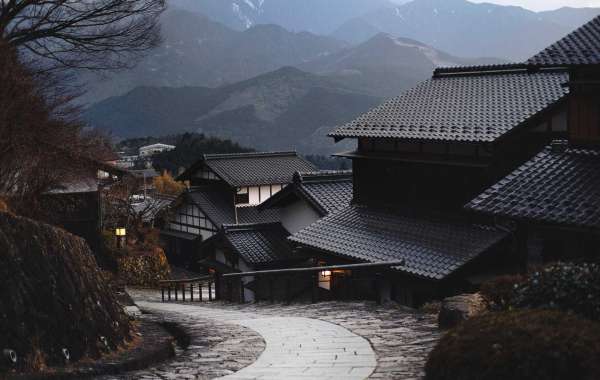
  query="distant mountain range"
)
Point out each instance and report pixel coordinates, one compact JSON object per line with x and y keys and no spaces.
{"x":284,"y":109}
{"x":316,"y":16}
{"x":468,"y":29}
{"x":197,"y":51}
{"x":237,"y":81}
{"x":459,"y":27}
{"x":386,"y":65}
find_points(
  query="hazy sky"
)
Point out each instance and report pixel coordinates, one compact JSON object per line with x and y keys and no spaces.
{"x":538,"y":5}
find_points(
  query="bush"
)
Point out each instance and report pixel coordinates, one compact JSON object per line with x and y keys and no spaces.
{"x":144,"y":268}
{"x":567,"y":287}
{"x":499,"y":293}
{"x":533,"y":344}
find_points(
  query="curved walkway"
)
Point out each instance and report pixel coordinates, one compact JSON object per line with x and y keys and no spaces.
{"x":296,"y":347}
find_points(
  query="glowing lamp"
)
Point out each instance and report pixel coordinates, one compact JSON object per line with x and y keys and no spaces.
{"x":120,"y":231}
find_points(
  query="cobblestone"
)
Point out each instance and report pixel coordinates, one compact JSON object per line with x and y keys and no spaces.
{"x":400,"y":337}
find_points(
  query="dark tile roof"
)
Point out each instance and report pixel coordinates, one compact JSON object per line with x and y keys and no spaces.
{"x":581,"y":47}
{"x":326,"y":191}
{"x":259,"y":243}
{"x":252,"y":169}
{"x":432,"y":248}
{"x":553,"y":187}
{"x":220,"y":210}
{"x":462,"y":106}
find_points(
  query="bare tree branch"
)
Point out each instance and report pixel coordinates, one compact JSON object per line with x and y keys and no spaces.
{"x":90,"y":34}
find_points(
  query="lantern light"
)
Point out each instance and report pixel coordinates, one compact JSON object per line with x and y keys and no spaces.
{"x":120,"y":231}
{"x":326,"y":273}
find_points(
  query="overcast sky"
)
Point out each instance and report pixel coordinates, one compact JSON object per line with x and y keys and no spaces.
{"x":539,"y":5}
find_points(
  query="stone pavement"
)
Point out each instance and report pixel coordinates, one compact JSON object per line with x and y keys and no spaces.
{"x":391,"y":342}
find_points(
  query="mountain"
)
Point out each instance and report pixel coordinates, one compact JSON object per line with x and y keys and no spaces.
{"x":569,"y":17}
{"x":467,"y":29}
{"x":283,"y":109}
{"x":197,"y":51}
{"x":386,"y":65}
{"x":317,"y":16}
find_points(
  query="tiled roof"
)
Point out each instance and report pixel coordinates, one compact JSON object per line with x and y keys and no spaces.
{"x":329,"y":191}
{"x":553,"y":187}
{"x":220,"y":210}
{"x":581,"y":47}
{"x":252,"y":169}
{"x":469,"y":106}
{"x":259,"y":243}
{"x":432,"y":248}
{"x":326,"y":191}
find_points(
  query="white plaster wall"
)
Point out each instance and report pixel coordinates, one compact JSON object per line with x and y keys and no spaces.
{"x":254,"y":195}
{"x":297,"y":216}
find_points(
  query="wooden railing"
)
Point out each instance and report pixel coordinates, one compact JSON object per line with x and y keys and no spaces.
{"x":169,"y":288}
{"x":288,"y":274}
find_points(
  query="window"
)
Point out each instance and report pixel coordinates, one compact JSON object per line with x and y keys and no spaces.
{"x":242,"y":197}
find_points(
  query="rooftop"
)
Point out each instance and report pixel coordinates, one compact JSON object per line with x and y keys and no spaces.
{"x":558,"y":187}
{"x":220,"y":210}
{"x":581,"y":47}
{"x":433,"y":248}
{"x":259,"y":243}
{"x":469,"y":104}
{"x":252,"y":169}
{"x":326,"y":191}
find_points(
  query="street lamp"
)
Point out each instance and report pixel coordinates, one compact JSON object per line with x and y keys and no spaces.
{"x":120,"y":233}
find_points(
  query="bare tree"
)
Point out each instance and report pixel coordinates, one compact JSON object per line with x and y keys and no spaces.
{"x":41,"y":141}
{"x":91,"y":34}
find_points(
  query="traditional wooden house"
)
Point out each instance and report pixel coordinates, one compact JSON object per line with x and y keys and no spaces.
{"x":420,"y":157}
{"x":249,"y":248}
{"x":76,"y":204}
{"x":264,"y":246}
{"x":553,"y":200}
{"x":226,"y":190}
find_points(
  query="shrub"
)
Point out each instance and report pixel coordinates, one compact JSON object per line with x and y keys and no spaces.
{"x":144,"y":268}
{"x":530,"y":344}
{"x":500,"y":292}
{"x":567,"y":287}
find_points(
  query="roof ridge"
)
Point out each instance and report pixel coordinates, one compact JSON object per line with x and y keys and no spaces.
{"x":322,"y":175}
{"x":249,"y":226}
{"x":249,"y":155}
{"x":508,"y":68}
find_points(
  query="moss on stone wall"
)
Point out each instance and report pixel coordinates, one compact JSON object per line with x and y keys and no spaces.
{"x":53,"y":297}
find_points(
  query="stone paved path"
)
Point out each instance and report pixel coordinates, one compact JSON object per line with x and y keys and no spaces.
{"x":400,"y":337}
{"x":296,"y":347}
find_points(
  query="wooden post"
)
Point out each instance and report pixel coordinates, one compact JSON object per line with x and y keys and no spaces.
{"x":191,"y":292}
{"x":229,"y":290}
{"x":200,"y":296}
{"x":162,"y":293}
{"x":315,"y":287}
{"x":242,"y":292}
{"x":288,"y":290}
{"x":378,"y":288}
{"x":183,"y":291}
{"x":169,"y":290}
{"x":256,"y":288}
{"x":210,"y":297}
